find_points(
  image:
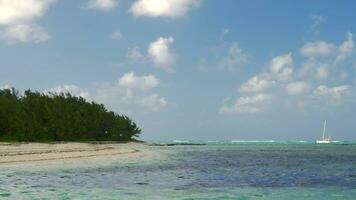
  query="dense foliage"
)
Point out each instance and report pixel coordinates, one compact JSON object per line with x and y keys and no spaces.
{"x":35,"y":116}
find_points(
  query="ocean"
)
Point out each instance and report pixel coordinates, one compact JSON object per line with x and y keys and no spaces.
{"x":207,"y":170}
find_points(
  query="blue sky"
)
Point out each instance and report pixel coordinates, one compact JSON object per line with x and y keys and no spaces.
{"x":192,"y":69}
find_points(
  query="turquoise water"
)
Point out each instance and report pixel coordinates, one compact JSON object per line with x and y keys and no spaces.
{"x":217,"y":170}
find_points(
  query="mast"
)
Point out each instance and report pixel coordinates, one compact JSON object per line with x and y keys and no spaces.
{"x":324,"y":130}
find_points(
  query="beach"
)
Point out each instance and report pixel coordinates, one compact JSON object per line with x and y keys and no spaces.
{"x":45,"y":153}
{"x":222,"y":170}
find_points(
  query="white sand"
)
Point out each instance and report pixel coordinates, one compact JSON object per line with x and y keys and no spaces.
{"x":25,"y":153}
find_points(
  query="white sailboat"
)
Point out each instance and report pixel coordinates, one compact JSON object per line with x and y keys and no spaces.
{"x":324,"y":140}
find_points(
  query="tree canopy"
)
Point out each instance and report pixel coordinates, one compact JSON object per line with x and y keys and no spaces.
{"x":35,"y":116}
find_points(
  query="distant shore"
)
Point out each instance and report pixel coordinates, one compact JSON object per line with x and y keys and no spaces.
{"x":17,"y":154}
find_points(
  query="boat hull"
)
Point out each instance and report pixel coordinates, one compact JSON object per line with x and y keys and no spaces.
{"x":323,"y":142}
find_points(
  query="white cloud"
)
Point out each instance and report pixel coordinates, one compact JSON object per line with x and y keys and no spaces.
{"x":116,"y":35}
{"x":163,"y":8}
{"x":335,"y":93}
{"x":323,"y":53}
{"x":319,"y":48}
{"x":295,"y":88}
{"x":323,"y":57}
{"x":256,"y":84}
{"x":307,"y":67}
{"x":324,"y":97}
{"x":17,"y":20}
{"x":316,"y":68}
{"x":143,"y":83}
{"x":154,"y":102}
{"x":160,"y":53}
{"x":280,"y":81}
{"x":102,"y":5}
{"x":19,"y":11}
{"x":135,"y":54}
{"x":234,"y":59}
{"x":280,"y":72}
{"x":24,"y":33}
{"x":131,"y":93}
{"x":281,"y":67}
{"x":278,"y":63}
{"x":345,"y":48}
{"x":114,"y":96}
{"x":6,"y":86}
{"x":250,"y":104}
{"x":72,"y":89}
{"x":126,"y":100}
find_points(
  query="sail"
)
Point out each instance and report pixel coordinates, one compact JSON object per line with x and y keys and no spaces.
{"x":324,"y":130}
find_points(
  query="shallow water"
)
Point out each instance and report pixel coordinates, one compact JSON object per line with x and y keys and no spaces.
{"x":214,"y":171}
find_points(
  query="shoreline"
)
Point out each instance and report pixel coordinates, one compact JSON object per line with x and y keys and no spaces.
{"x":19,"y":154}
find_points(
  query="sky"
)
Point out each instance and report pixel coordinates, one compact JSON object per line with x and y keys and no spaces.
{"x":192,"y":69}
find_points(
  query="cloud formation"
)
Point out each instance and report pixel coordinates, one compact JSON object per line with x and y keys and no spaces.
{"x":102,"y":5}
{"x":24,"y":33}
{"x":323,"y":58}
{"x":248,"y":104}
{"x":281,"y":67}
{"x":6,"y":86}
{"x":163,"y":8}
{"x":154,"y":102}
{"x":303,"y":86}
{"x":234,"y":59}
{"x":345,"y":48}
{"x":322,"y":72}
{"x":335,"y":93}
{"x":256,"y":84}
{"x":319,"y":48}
{"x":134,"y":53}
{"x":161,"y":54}
{"x":130,"y":93}
{"x":72,"y":89}
{"x":143,"y":83}
{"x":18,"y":20}
{"x":298,"y":87}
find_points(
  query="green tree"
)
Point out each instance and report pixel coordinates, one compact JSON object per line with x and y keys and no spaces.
{"x":35,"y":116}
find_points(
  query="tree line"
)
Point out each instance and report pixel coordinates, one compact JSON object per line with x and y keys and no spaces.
{"x":41,"y":117}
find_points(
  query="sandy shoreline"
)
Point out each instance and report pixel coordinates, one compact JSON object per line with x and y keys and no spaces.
{"x":37,"y":153}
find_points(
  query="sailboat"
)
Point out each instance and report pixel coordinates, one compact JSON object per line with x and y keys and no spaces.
{"x":324,"y":140}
